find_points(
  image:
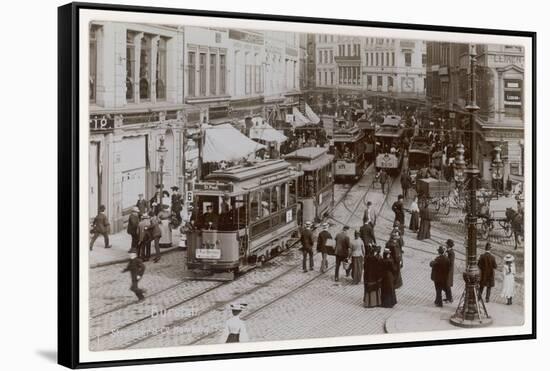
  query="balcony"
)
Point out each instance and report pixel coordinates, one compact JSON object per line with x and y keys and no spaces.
{"x":353,"y":59}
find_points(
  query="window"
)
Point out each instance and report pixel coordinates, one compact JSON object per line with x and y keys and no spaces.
{"x":202,"y":74}
{"x":379,"y":81}
{"x":387,"y":59}
{"x":145,"y":68}
{"x":191,"y":74}
{"x":393,"y":58}
{"x":349,"y":50}
{"x":93,"y":62}
{"x":331,"y":59}
{"x":367,"y":58}
{"x":248,"y":79}
{"x":424,"y":59}
{"x":513,"y":106}
{"x":376,"y":59}
{"x":161,"y":69}
{"x":222,"y":73}
{"x":213,"y":69}
{"x":130,"y":65}
{"x":326,"y":56}
{"x":319,"y":78}
{"x":332,"y":78}
{"x":326,"y":77}
{"x":408,"y":59}
{"x":369,"y":80}
{"x":320,"y":56}
{"x":372,"y":59}
{"x":381,"y":59}
{"x":257,"y":80}
{"x":390,"y":81}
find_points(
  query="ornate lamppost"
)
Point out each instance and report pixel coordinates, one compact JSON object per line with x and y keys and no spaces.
{"x":496,"y":169}
{"x":471,"y":310}
{"x":162,"y":153}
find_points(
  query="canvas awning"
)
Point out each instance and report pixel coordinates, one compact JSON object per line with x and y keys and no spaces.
{"x":225,"y":143}
{"x":267,"y":133}
{"x":312,"y":116}
{"x":298,"y":119}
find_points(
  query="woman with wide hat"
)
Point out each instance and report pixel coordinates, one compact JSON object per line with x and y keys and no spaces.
{"x":234,"y":330}
{"x":508,"y":281}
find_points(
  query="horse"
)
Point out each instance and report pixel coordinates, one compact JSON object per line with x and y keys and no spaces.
{"x":515,"y":219}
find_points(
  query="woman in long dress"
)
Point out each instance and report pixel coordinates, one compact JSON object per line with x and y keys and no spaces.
{"x":414,"y":225}
{"x":396,"y":255}
{"x":508,"y":281}
{"x":165,"y":228}
{"x":357,"y":255}
{"x":372,"y":278}
{"x":389,"y":299}
{"x":425,"y":224}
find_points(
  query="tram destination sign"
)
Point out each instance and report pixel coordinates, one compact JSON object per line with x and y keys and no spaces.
{"x":222,"y":187}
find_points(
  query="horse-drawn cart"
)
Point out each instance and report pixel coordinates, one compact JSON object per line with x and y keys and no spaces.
{"x":435,"y":192}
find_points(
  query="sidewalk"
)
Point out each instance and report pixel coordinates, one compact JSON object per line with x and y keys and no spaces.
{"x":431,"y":318}
{"x":118,"y":253}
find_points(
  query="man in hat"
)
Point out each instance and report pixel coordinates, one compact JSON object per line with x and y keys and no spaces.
{"x":156,"y":200}
{"x":487,"y":265}
{"x":234,"y":330}
{"x":440,"y":274}
{"x":177,"y":203}
{"x":144,"y":238}
{"x":136,"y":268}
{"x":343,"y":246}
{"x":450,"y":280}
{"x":210,"y":219}
{"x":367,"y":234}
{"x":132,"y":229}
{"x":397,"y":208}
{"x":141,"y":204}
{"x":369,"y":214}
{"x":306,"y":238}
{"x":100,"y":226}
{"x":322,"y":247}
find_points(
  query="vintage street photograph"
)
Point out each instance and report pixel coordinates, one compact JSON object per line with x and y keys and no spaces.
{"x":261,"y":185}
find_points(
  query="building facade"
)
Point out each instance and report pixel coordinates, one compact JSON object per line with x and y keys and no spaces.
{"x":499,"y":95}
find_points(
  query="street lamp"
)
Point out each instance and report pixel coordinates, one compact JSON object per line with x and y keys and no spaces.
{"x":471,"y":310}
{"x":162,"y":153}
{"x":459,"y":164}
{"x":496,"y":169}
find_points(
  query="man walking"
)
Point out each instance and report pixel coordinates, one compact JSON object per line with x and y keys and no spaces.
{"x":343,"y":246}
{"x":369,"y":215}
{"x":405,"y":182}
{"x":306,"y":239}
{"x":100,"y":226}
{"x":136,"y":268}
{"x":383,"y":178}
{"x":451,"y":257}
{"x":141,"y":204}
{"x":397,"y":208}
{"x":440,"y":274}
{"x":132,"y":229}
{"x":367,"y":234}
{"x":322,"y":247}
{"x":487,"y":265}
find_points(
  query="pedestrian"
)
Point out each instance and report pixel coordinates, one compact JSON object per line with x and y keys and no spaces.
{"x":141,"y":204}
{"x":508,"y":280}
{"x":177,"y":203}
{"x":101,"y":227}
{"x":395,"y":253}
{"x":343,"y":245}
{"x":405,"y":182}
{"x":414,"y":224}
{"x":425,"y":224}
{"x":440,"y":274}
{"x":372,"y":278}
{"x":144,"y":238}
{"x":387,"y":289}
{"x":383,"y":178}
{"x":369,"y":215}
{"x":306,"y":238}
{"x":357,"y":254}
{"x":324,"y":242}
{"x":132,"y":228}
{"x":137,"y":269}
{"x":234,"y":330}
{"x":165,"y":217}
{"x":399,"y":212}
{"x":155,"y":233}
{"x":487,"y":265}
{"x":450,"y":280}
{"x":367,"y":234}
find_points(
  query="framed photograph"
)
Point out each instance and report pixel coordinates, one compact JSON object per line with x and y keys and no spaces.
{"x":243,"y":185}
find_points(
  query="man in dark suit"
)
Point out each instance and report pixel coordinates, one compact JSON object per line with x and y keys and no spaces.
{"x":367,"y":234}
{"x":343,"y":246}
{"x":177,"y":203}
{"x":397,"y":208}
{"x":306,"y":238}
{"x":101,"y":226}
{"x":450,"y":280}
{"x":141,"y":204}
{"x":440,"y":274}
{"x":487,"y":265}
{"x":132,"y":229}
{"x":369,"y":215}
{"x":136,"y":268}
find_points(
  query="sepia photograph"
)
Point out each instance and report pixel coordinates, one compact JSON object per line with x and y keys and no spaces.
{"x":251,"y":185}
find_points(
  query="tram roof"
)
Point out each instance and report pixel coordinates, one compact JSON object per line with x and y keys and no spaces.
{"x":310,"y":158}
{"x":242,"y":178}
{"x":420,"y":145}
{"x":389,"y":131}
{"x":350,"y":134}
{"x":391,"y":120}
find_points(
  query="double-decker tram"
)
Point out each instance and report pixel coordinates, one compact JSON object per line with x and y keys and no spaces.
{"x":316,"y":185}
{"x":242,"y":215}
{"x":367,"y":127}
{"x":350,"y":160}
{"x":419,"y":158}
{"x":388,"y":148}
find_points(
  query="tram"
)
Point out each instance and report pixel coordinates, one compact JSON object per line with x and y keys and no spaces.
{"x":388,"y":147}
{"x":419,"y":158}
{"x":349,"y":152}
{"x":368,"y":129}
{"x":242,"y":215}
{"x":316,"y":185}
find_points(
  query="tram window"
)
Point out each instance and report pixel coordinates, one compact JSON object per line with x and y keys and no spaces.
{"x":255,"y":204}
{"x":310,"y":185}
{"x":265,"y":201}
{"x":292,"y":192}
{"x":275,"y":198}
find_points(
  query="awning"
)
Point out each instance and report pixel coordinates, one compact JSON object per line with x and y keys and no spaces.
{"x":298,"y":119}
{"x":225,"y":143}
{"x":267,"y":133}
{"x":312,"y":116}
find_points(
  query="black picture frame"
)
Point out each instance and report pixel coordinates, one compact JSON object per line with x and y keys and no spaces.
{"x":68,"y":180}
